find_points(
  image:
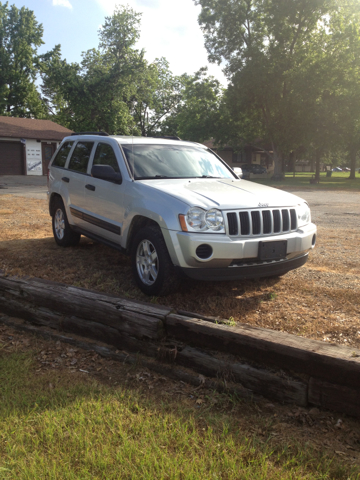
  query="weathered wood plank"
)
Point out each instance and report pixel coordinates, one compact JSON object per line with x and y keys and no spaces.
{"x":259,"y":381}
{"x":330,"y":362}
{"x":158,"y":311}
{"x":97,"y":331}
{"x":88,"y":328}
{"x":108,"y":335}
{"x":208,"y":318}
{"x":334,"y":397}
{"x":176,"y":373}
{"x":125,"y":322}
{"x":69,"y":301}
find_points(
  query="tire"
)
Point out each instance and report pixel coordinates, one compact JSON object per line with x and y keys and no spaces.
{"x":152,"y":267}
{"x":63,"y":233}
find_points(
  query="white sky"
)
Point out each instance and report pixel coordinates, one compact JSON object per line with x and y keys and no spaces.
{"x":169,"y":29}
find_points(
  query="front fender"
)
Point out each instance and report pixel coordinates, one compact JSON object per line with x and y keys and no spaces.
{"x":162,"y":208}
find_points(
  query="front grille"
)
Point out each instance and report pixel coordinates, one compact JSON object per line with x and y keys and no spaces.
{"x":261,"y":222}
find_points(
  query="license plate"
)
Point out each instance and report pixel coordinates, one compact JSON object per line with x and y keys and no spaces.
{"x":272,"y":250}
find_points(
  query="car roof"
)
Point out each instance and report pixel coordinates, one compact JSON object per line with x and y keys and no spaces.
{"x":134,"y":140}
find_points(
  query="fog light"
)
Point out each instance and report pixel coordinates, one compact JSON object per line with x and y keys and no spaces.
{"x":204,"y":251}
{"x":313,"y":240}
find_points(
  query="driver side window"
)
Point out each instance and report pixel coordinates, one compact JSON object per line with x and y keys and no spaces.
{"x":105,"y":155}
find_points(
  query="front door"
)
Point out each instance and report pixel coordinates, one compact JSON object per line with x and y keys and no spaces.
{"x":103,"y":199}
{"x":48,"y":150}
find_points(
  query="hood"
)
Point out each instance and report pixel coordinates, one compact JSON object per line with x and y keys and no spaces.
{"x":224,"y":194}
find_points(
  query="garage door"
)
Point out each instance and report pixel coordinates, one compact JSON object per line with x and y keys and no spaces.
{"x":11,"y":158}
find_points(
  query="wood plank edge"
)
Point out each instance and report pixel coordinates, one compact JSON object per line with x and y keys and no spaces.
{"x":177,"y":373}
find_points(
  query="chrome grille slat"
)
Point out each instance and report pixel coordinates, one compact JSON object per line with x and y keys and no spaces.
{"x":261,"y":222}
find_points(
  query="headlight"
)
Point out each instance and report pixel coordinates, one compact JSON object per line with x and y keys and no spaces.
{"x":199,"y":220}
{"x":303,"y":214}
{"x":214,"y":219}
{"x":195,"y":218}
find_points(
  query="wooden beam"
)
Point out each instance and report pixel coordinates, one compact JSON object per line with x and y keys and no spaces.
{"x":259,"y":381}
{"x":268,"y":347}
{"x":334,"y":397}
{"x":177,"y":373}
{"x":140,"y":321}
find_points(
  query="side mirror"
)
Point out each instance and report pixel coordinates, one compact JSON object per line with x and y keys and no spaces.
{"x":238,"y":171}
{"x":107,"y":173}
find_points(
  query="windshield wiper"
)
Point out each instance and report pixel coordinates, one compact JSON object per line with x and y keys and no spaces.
{"x":151,"y":177}
{"x":207,"y":176}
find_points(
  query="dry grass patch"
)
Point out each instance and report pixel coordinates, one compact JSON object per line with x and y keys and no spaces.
{"x":320,"y":300}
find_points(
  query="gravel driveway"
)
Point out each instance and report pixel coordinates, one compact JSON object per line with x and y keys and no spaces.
{"x":333,"y":209}
{"x":28,"y":186}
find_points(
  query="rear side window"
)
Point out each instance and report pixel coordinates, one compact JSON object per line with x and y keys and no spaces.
{"x":80,"y":157}
{"x":61,"y":156}
{"x":105,"y":155}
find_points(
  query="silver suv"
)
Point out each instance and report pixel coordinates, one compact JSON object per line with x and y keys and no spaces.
{"x":174,"y":207}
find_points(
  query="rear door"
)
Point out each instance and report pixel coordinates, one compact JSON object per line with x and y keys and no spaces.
{"x":58,"y":174}
{"x":76,"y":177}
{"x":104,"y":199}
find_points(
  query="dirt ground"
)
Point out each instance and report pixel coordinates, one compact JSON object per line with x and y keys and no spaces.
{"x":320,"y":300}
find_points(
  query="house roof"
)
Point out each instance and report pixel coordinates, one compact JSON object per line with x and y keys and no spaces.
{"x":32,"y":128}
{"x":211,"y":144}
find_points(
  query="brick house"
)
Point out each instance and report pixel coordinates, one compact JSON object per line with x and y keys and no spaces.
{"x":248,"y":155}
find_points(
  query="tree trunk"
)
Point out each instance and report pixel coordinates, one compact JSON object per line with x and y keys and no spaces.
{"x":312,"y":164}
{"x":352,"y":154}
{"x":317,"y":171}
{"x":278,"y":166}
{"x":291,"y":166}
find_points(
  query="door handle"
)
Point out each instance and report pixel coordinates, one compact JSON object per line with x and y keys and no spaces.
{"x":90,"y":187}
{"x":65,"y":179}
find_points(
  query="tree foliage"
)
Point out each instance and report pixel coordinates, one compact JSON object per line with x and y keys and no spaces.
{"x":113,"y":88}
{"x":94,"y":94}
{"x":158,"y":93}
{"x":197,"y":114}
{"x":20,"y":37}
{"x":281,"y":62}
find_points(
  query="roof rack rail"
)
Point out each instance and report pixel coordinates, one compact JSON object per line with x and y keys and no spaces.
{"x":101,"y":134}
{"x":169,"y":137}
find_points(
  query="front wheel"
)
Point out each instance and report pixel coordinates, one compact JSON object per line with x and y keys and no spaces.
{"x":151,"y":264}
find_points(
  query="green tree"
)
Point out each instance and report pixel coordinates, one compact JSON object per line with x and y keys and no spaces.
{"x":20,"y":37}
{"x":197,"y":115}
{"x":96,"y":94}
{"x":157,"y":96}
{"x":270,"y":48}
{"x":345,"y":53}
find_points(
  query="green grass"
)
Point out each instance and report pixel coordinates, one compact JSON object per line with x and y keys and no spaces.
{"x":79,"y":429}
{"x":337,"y":181}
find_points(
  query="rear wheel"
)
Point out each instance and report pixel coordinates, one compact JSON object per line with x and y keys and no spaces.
{"x":63,"y":233}
{"x":151,"y":264}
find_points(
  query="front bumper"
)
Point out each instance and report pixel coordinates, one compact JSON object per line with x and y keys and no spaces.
{"x":237,"y":253}
{"x":237,"y":272}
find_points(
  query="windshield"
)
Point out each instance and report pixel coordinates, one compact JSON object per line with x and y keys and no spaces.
{"x":174,"y":161}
